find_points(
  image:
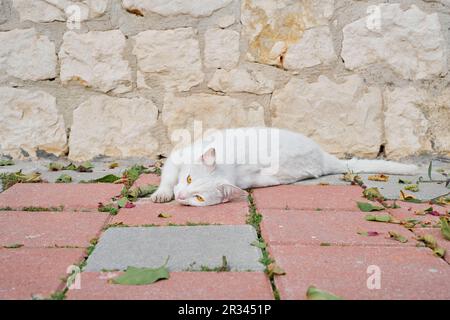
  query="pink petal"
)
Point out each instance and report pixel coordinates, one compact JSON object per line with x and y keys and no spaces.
{"x":130,"y":205}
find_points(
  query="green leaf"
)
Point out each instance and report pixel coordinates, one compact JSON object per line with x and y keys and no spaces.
{"x":109,"y":178}
{"x":113,"y":165}
{"x":429,"y":241}
{"x":133,"y":173}
{"x":54,"y":166}
{"x":367,"y":207}
{"x":258,"y":244}
{"x":86,"y":166}
{"x":445,"y":229}
{"x":6,"y":163}
{"x":70,"y":167}
{"x":141,"y":276}
{"x":147,"y":190}
{"x":108,"y":208}
{"x":440,"y":252}
{"x":122,"y":202}
{"x":412,"y":187}
{"x":11,"y":178}
{"x":64,"y":178}
{"x":430,"y":167}
{"x":316,"y":294}
{"x":141,"y":192}
{"x":378,"y":218}
{"x":372,"y":194}
{"x":398,"y":237}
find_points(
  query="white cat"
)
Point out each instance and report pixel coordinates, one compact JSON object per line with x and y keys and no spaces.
{"x":218,"y":168}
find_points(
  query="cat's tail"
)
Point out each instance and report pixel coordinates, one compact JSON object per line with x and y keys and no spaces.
{"x":378,"y":166}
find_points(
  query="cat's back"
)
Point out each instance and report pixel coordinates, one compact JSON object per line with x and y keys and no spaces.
{"x":237,"y":145}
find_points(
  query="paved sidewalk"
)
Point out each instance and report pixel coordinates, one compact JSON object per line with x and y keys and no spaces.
{"x":314,"y":231}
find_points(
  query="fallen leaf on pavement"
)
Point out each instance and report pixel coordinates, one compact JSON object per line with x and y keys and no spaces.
{"x":110,"y":207}
{"x":440,"y":252}
{"x":164,"y":215}
{"x":442,"y":201}
{"x":4,"y":163}
{"x":316,"y":294}
{"x":367,"y":207}
{"x":54,"y":166}
{"x":404,"y":181}
{"x":379,"y":218}
{"x":379,"y":177}
{"x":71,"y":167}
{"x":351,"y":177}
{"x":445,"y":228}
{"x":64,"y":178}
{"x":409,"y":198}
{"x":397,"y":236}
{"x":113,"y":165}
{"x":86,"y":166}
{"x":140,"y":276}
{"x":122,"y":202}
{"x":109,"y":178}
{"x":412,"y":187}
{"x":431,"y":243}
{"x":372,"y":194}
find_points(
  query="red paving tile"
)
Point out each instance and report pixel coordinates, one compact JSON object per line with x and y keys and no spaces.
{"x":146,"y":212}
{"x":436,"y":232}
{"x":28,"y":272}
{"x":308,"y":197}
{"x":71,"y":196}
{"x":327,"y":227}
{"x":408,"y":211}
{"x":406,"y":272}
{"x":180,"y":286}
{"x":43,"y":229}
{"x":147,"y":179}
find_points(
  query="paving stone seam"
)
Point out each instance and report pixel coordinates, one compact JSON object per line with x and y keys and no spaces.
{"x":387,"y":247}
{"x":255,"y":214}
{"x":326,"y":244}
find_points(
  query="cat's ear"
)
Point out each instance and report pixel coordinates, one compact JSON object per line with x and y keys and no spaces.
{"x":209,"y":158}
{"x":230,"y":192}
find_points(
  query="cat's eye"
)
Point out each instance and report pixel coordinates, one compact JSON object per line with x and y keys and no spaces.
{"x":189,"y":179}
{"x":199,"y":198}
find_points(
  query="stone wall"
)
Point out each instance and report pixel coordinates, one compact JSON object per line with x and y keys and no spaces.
{"x":120,"y":78}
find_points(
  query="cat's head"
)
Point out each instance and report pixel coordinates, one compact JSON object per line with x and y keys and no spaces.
{"x":202,"y":185}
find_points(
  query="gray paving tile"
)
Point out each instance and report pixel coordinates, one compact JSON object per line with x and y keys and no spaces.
{"x":391,"y":188}
{"x":188,"y":248}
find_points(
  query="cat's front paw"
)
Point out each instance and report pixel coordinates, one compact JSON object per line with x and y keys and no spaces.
{"x":162,"y":195}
